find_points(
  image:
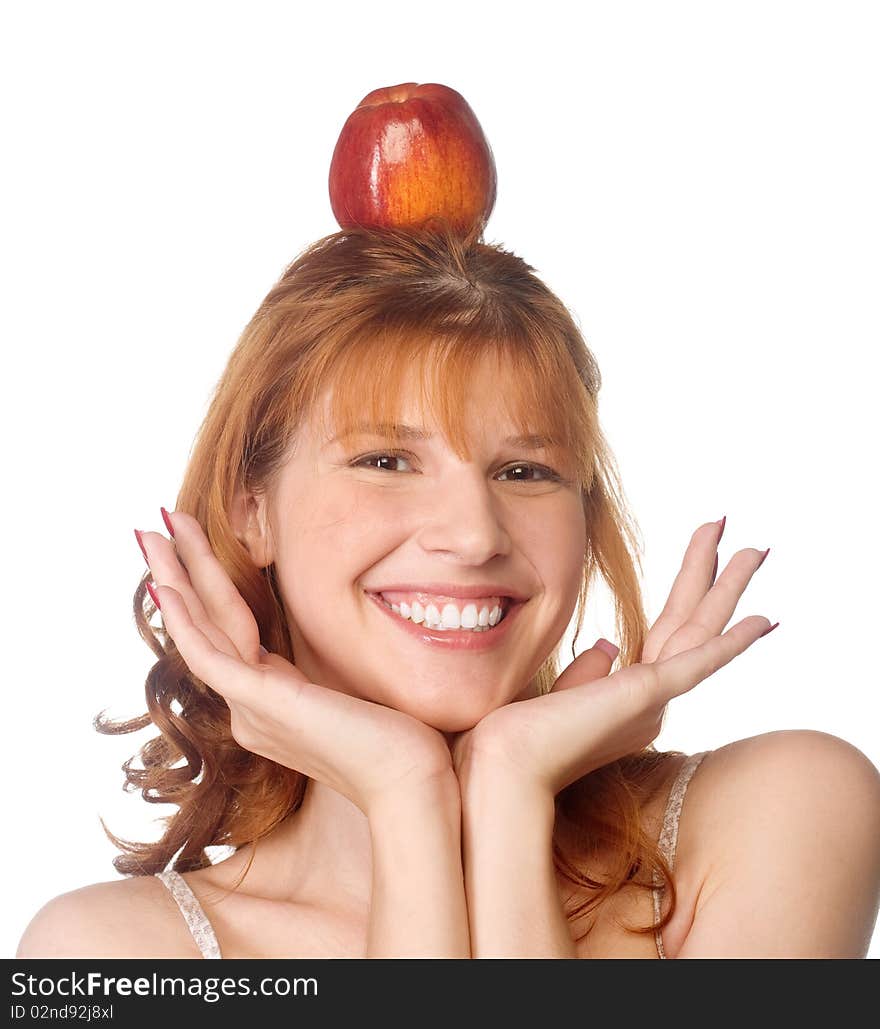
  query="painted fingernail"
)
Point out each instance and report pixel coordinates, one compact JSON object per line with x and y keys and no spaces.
{"x":137,"y":536}
{"x":263,"y":650}
{"x":772,"y":627}
{"x":721,"y":525}
{"x":606,"y":647}
{"x":764,"y":558}
{"x":152,"y":591}
{"x":715,"y":570}
{"x":167,"y":520}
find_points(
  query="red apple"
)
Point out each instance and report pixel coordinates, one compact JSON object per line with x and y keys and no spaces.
{"x":410,"y":154}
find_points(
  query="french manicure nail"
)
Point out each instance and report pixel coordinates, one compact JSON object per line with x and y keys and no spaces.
{"x":152,"y":591}
{"x":721,"y":524}
{"x":167,"y":521}
{"x":137,"y":536}
{"x":607,"y":647}
{"x":772,"y":627}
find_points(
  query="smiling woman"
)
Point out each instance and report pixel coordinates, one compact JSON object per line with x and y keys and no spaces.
{"x":399,"y":498}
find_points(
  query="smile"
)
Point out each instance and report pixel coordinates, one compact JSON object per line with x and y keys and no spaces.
{"x":479,"y":616}
{"x":474,"y":626}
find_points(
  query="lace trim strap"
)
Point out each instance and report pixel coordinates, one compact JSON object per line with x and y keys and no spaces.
{"x":669,"y":833}
{"x":193,"y":913}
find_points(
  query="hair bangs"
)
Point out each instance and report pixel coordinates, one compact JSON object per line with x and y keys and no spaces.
{"x":366,"y":383}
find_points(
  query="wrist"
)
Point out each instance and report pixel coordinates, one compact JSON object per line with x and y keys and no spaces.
{"x":484,"y":778}
{"x":494,"y":798}
{"x":437,"y":794}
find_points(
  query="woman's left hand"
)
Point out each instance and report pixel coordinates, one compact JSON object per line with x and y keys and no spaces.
{"x":591,"y":718}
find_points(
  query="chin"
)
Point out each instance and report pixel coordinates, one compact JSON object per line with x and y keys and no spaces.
{"x":444,"y":713}
{"x":450,"y":722}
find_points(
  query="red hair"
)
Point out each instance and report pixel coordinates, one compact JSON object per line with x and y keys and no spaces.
{"x":353,"y":312}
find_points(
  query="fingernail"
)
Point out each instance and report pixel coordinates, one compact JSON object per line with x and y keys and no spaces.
{"x":167,"y":520}
{"x":764,"y":558}
{"x":263,"y":650}
{"x":721,"y":525}
{"x":607,"y":648}
{"x":715,"y":570}
{"x":137,"y":536}
{"x":772,"y":627}
{"x":152,"y":591}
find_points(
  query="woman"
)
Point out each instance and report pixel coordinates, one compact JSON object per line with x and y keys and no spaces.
{"x":399,"y":496}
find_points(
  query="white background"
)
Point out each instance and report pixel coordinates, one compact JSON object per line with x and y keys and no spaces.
{"x":697,"y":181}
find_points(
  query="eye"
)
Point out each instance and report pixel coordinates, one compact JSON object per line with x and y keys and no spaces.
{"x":547,"y":474}
{"x":371,"y":459}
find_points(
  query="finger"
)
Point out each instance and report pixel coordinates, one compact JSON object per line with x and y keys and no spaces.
{"x":280,"y":664}
{"x":677,"y":674}
{"x":696,"y":569}
{"x":226,"y":674}
{"x":716,"y":608}
{"x":167,"y":570}
{"x":588,"y":666}
{"x":223,"y":603}
{"x":688,"y":589}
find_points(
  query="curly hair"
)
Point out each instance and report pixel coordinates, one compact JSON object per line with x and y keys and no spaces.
{"x":384,"y":300}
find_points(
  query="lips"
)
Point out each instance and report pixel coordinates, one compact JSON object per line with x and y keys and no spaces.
{"x":454,"y":639}
{"x":451,"y":590}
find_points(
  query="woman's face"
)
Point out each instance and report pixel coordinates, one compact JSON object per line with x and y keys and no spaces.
{"x":351,"y":520}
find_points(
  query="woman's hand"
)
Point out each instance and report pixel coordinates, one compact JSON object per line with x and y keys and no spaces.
{"x":591,"y":718}
{"x":363,"y":750}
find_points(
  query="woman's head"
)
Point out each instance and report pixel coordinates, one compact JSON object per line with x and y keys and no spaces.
{"x":358,"y":516}
{"x":367,"y":332}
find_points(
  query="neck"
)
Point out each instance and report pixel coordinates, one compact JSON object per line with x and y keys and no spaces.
{"x":320,"y":856}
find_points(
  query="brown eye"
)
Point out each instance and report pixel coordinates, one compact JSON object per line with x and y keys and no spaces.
{"x":370,"y":460}
{"x":545,"y":474}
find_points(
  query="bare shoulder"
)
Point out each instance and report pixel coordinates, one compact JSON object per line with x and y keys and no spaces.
{"x":787,"y":825}
{"x":133,"y":917}
{"x":799,"y":775}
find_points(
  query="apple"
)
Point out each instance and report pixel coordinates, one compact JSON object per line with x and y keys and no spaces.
{"x":410,"y":155}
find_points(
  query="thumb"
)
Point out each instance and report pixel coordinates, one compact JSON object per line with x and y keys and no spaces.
{"x":594,"y":663}
{"x":281,"y":664}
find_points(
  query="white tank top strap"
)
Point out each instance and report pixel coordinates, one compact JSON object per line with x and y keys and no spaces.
{"x":193,"y":913}
{"x":669,"y":833}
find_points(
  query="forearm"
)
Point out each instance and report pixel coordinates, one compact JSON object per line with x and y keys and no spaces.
{"x":418,"y":906}
{"x":514,"y":907}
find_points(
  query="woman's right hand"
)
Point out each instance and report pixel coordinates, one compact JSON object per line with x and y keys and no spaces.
{"x":361,"y":749}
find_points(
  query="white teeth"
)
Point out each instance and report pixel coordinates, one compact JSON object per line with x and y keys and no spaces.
{"x":469,"y":616}
{"x":450,"y":619}
{"x":431,"y":617}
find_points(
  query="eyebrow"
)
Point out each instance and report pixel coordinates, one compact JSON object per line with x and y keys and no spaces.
{"x":412,"y":432}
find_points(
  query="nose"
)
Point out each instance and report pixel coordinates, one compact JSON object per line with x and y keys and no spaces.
{"x":464,"y":519}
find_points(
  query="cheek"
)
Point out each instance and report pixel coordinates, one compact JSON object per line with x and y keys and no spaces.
{"x":558,"y":548}
{"x":325,"y":548}
{"x":322,"y":516}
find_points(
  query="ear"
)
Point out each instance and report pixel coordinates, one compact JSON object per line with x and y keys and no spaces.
{"x":248,"y":515}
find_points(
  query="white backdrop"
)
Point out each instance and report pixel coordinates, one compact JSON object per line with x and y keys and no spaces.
{"x":697,"y":181}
